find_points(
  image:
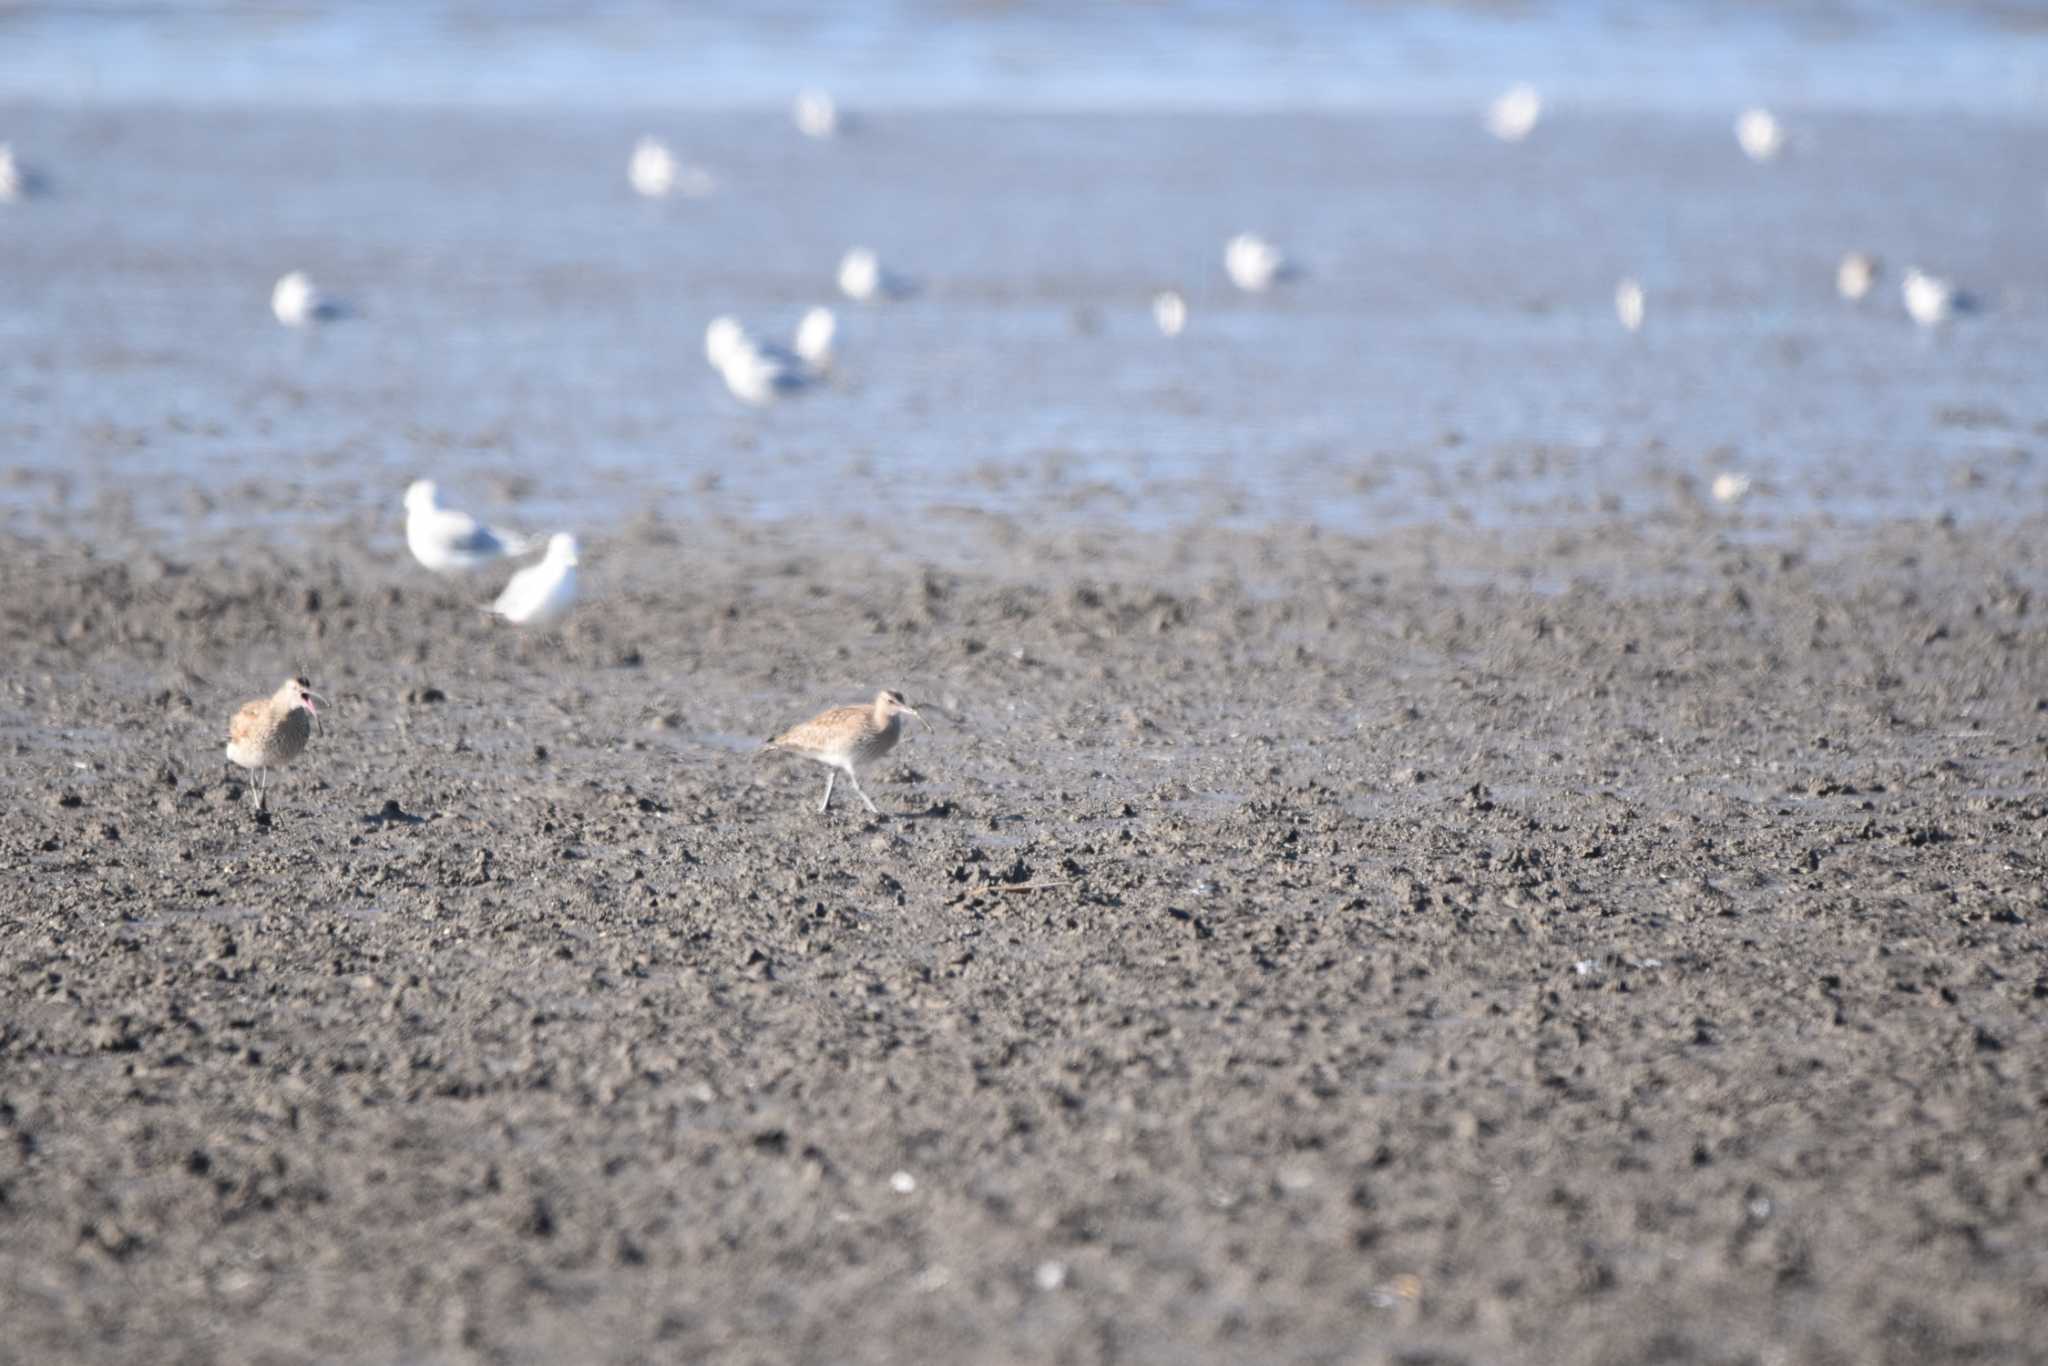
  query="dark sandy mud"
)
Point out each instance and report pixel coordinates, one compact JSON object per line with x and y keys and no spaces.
{"x":1613,"y":946}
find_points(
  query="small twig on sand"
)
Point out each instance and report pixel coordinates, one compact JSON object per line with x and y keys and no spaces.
{"x":1024,"y":886}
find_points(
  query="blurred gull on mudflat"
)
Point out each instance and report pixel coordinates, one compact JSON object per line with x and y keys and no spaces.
{"x":656,"y":174}
{"x":863,"y":279}
{"x":1930,"y":300}
{"x":816,"y":114}
{"x":17,"y":182}
{"x":1253,"y":263}
{"x":448,"y":541}
{"x":1170,"y":312}
{"x":297,"y":301}
{"x":1628,"y":304}
{"x":756,"y":372}
{"x":814,"y":335}
{"x":539,"y":594}
{"x":652,"y":168}
{"x":1759,"y":134}
{"x":1855,"y":275}
{"x":1513,"y":115}
{"x":1729,"y":486}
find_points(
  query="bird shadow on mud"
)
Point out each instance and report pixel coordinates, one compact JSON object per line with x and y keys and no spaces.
{"x":392,"y":814}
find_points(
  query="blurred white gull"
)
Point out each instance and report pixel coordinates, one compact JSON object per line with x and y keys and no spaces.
{"x":17,"y":182}
{"x":1513,"y":115}
{"x":448,"y":541}
{"x":756,"y":372}
{"x":816,"y":114}
{"x":1170,"y":312}
{"x":297,"y":301}
{"x":1628,"y":304}
{"x":1729,"y":486}
{"x":862,"y":278}
{"x":1253,"y":263}
{"x":652,"y":169}
{"x":814,"y":335}
{"x":723,"y":339}
{"x":541,"y":593}
{"x":1931,"y":300}
{"x":1759,"y":134}
{"x":1855,"y":275}
{"x":656,"y":174}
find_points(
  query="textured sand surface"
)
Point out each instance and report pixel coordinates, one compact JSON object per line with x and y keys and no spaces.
{"x":1586,"y":947}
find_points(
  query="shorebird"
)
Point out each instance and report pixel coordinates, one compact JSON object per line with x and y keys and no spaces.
{"x":814,"y":335}
{"x":1855,"y":275}
{"x":297,"y":301}
{"x":1931,"y":300}
{"x":272,"y":731}
{"x":1729,"y":486}
{"x":760,"y":376}
{"x":17,"y":182}
{"x":540,"y":593}
{"x":652,"y":169}
{"x":1170,"y":312}
{"x":655,"y":173}
{"x":756,"y":372}
{"x":845,"y":737}
{"x":1513,"y":115}
{"x":1253,"y":263}
{"x":863,"y":280}
{"x":445,"y":540}
{"x":816,"y":114}
{"x":1628,"y":304}
{"x":1759,"y":134}
{"x":724,"y":338}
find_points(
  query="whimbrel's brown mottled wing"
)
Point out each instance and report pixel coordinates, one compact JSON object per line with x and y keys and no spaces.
{"x":249,"y":722}
{"x":826,"y":731}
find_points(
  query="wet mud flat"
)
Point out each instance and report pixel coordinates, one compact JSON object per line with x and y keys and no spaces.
{"x":1614,"y":945}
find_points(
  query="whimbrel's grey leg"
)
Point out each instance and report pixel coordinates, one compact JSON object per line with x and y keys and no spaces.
{"x":831,"y":777}
{"x":854,"y":778}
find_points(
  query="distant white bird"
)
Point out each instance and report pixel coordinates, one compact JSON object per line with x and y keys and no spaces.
{"x":1253,"y":263}
{"x":1759,"y":134}
{"x":1855,"y":275}
{"x":1513,"y":115}
{"x":1729,"y":487}
{"x":1931,"y":300}
{"x":1628,"y":304}
{"x":756,"y":372}
{"x":863,"y":279}
{"x":814,"y":335}
{"x":1170,"y":312}
{"x":724,"y":339}
{"x":447,"y":541}
{"x":541,"y":593}
{"x":816,"y":114}
{"x":297,"y":301}
{"x":17,"y":182}
{"x":655,"y":173}
{"x":759,"y":377}
{"x":652,"y":169}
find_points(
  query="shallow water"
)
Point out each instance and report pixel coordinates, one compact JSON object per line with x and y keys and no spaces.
{"x":530,"y":333}
{"x":1698,"y":55}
